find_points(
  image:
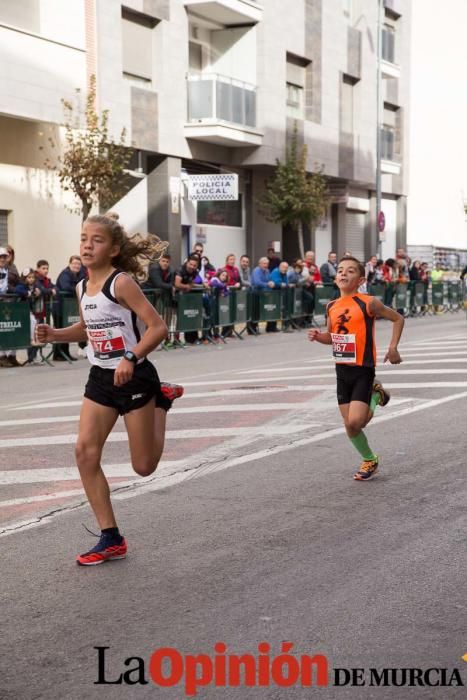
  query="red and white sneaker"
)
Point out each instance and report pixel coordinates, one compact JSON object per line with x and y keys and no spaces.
{"x":105,"y":550}
{"x":172,"y":391}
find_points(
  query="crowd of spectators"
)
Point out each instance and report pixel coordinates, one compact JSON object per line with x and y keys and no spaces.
{"x":34,"y":286}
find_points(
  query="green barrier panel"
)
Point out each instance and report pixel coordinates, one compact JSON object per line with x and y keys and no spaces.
{"x":454,"y":293}
{"x":323,"y":295}
{"x":239,"y":306}
{"x":377,"y":291}
{"x":437,"y":294}
{"x":15,"y":325}
{"x":69,"y":311}
{"x":189,"y":312}
{"x":294,"y":306}
{"x":400,"y":298}
{"x":419,"y":293}
{"x":222,"y":310}
{"x":269,"y":305}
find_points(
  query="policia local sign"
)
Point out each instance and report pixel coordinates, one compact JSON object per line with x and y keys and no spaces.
{"x":208,"y":188}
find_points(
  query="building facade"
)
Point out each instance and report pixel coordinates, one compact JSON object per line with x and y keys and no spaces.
{"x":208,"y":87}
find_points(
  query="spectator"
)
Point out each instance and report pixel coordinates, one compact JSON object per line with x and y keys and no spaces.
{"x":315,"y":274}
{"x":46,"y":286}
{"x":186,"y":274}
{"x":328,"y":269}
{"x":463,"y":273}
{"x":438,"y":273}
{"x":415,"y":272}
{"x":273,"y":260}
{"x":402,"y":265}
{"x":310,"y":258}
{"x":379,"y":272}
{"x":207,"y":270}
{"x":28,"y":290}
{"x":281,"y":281}
{"x":390,"y":278}
{"x":13,"y":270}
{"x":66,"y":286}
{"x":5,"y":286}
{"x":8,"y":281}
{"x":185,"y":280}
{"x":370,"y":269}
{"x":161,"y":276}
{"x":260,"y":280}
{"x":310,"y":277}
{"x":198,"y":249}
{"x":260,"y":277}
{"x":232,"y":271}
{"x":245,"y":272}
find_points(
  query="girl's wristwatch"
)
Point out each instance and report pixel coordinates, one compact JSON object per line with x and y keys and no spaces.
{"x":130,"y":356}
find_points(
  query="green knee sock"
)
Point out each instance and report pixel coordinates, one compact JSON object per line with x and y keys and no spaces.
{"x":375,"y":400}
{"x":361,"y":445}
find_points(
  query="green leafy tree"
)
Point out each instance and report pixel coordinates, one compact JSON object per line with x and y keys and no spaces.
{"x":294,"y":197}
{"x":92,"y":165}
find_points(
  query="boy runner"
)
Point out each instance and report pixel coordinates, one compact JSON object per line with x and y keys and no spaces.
{"x":351,"y":332}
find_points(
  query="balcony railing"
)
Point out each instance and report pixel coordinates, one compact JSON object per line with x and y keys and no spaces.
{"x":213,"y":97}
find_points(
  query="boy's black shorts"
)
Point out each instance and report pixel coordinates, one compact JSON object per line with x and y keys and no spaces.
{"x":143,"y":387}
{"x":354,"y":383}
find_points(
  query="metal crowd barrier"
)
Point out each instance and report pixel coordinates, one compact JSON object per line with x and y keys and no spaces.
{"x":203,"y":311}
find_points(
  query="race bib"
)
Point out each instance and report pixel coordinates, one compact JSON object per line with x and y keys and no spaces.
{"x":107,"y":343}
{"x":344,"y":348}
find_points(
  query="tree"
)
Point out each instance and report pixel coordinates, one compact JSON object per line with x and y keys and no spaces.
{"x":293,"y":197}
{"x":92,"y":164}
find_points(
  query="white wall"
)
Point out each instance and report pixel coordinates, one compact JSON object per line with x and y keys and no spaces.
{"x":39,"y":225}
{"x":323,"y":238}
{"x":438,"y":145}
{"x":388,"y":246}
{"x":133,"y":209}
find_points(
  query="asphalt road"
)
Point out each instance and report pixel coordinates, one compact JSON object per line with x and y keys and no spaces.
{"x":252,"y":530}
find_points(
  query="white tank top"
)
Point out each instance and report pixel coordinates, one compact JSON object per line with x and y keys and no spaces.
{"x":111,"y":328}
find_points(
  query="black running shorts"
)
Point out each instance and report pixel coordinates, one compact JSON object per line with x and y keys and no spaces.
{"x":354,"y":383}
{"x":143,"y":387}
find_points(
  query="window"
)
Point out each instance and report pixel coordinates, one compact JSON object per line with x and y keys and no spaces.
{"x":347,"y":8}
{"x":220,"y":213}
{"x":294,"y":101}
{"x":347,"y":104}
{"x":390,"y":131}
{"x":195,"y":52}
{"x":296,"y":81}
{"x":387,"y":142}
{"x":137,"y":36}
{"x":388,"y":43}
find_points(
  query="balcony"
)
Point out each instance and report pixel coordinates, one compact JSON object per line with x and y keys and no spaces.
{"x":226,"y":12}
{"x":222,"y":110}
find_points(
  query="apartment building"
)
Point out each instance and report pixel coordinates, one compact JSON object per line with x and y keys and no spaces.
{"x":211,"y":88}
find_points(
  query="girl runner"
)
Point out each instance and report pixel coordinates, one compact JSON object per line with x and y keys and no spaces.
{"x":122,"y":328}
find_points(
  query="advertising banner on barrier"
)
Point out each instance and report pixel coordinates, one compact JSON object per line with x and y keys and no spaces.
{"x":240,"y":306}
{"x":189,"y":312}
{"x":15,"y":325}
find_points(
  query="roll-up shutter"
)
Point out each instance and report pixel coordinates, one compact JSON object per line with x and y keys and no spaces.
{"x":3,"y":228}
{"x":355,"y":234}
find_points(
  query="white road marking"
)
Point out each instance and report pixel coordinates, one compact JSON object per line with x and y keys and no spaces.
{"x":70,"y":439}
{"x":304,"y":387}
{"x":305,"y":369}
{"x":162,"y":480}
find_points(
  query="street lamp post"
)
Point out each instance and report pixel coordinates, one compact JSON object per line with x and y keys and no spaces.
{"x":379,"y":110}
